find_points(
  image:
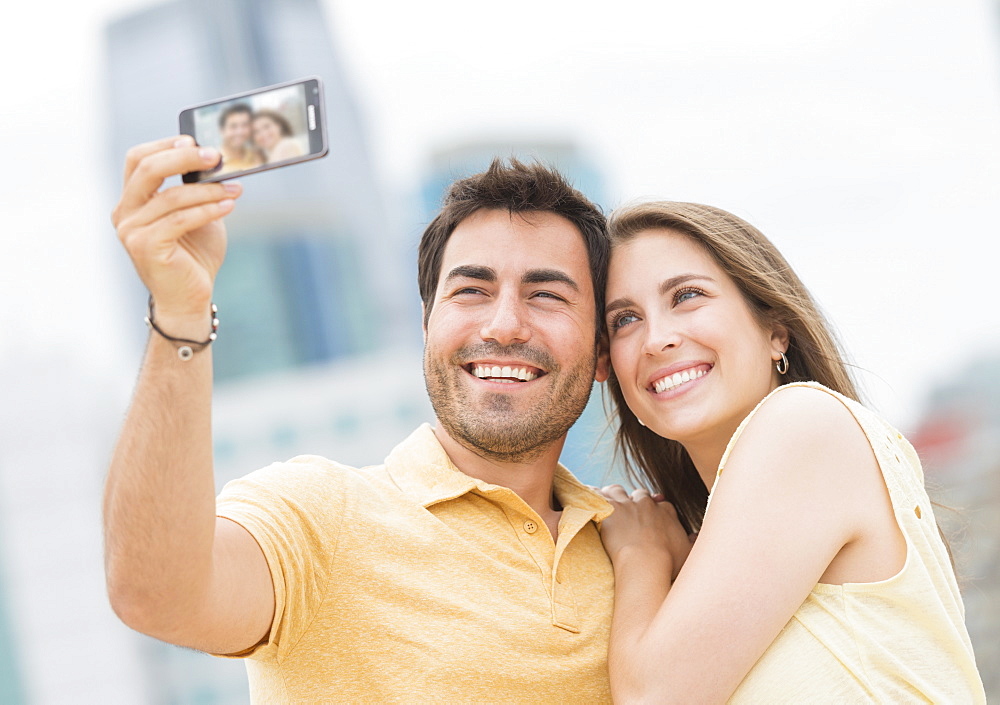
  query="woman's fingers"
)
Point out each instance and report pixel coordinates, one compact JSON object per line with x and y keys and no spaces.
{"x":640,"y":494}
{"x":620,"y":494}
{"x":615,"y":492}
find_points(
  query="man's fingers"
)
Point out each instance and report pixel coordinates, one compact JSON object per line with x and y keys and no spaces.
{"x":178,"y":198}
{"x":151,"y":170}
{"x":173,"y":226}
{"x":137,"y":153}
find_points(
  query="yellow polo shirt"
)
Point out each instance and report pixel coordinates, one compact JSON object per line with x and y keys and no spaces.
{"x":413,"y":582}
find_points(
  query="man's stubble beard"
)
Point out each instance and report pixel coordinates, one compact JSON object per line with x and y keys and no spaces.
{"x":493,"y":427}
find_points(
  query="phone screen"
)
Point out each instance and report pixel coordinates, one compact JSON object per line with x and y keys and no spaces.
{"x":261,"y":129}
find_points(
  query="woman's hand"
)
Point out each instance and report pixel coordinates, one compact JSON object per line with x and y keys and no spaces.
{"x":645,"y":528}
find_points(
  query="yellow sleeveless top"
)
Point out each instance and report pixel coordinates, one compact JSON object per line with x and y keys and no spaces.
{"x":900,"y":640}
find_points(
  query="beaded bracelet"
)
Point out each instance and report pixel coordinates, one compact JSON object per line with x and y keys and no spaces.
{"x":185,"y":348}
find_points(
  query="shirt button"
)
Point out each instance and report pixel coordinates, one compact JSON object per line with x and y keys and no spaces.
{"x":530,"y":526}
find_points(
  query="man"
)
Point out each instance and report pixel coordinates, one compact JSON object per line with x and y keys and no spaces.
{"x":238,"y":151}
{"x":467,"y":567}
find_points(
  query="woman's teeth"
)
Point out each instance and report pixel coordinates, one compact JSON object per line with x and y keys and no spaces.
{"x":677,"y":379}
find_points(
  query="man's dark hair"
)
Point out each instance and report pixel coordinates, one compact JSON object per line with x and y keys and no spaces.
{"x":517,"y":188}
{"x":233,"y":110}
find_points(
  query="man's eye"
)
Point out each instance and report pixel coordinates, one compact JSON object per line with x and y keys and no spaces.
{"x":548,"y":295}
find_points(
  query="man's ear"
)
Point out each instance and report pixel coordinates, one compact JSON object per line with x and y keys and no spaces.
{"x":603,"y":360}
{"x":423,"y":320}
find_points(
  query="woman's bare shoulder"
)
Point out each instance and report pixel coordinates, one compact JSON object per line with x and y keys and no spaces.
{"x":808,"y":409}
{"x":801,"y":427}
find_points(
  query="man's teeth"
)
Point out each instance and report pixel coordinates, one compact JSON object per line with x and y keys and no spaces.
{"x":503,"y":374}
{"x":674,"y":380}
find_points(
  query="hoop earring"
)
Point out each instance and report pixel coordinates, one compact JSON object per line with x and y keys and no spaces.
{"x":782,"y":365}
{"x":640,"y":421}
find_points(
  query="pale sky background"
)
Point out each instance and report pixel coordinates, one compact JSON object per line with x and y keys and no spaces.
{"x":862,"y":136}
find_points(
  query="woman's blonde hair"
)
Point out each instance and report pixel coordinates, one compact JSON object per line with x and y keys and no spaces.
{"x":774,"y":294}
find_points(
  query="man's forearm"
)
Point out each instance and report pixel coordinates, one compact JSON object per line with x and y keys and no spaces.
{"x":159,"y":502}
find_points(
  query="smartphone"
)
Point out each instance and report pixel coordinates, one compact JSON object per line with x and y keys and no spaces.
{"x":261,"y":129}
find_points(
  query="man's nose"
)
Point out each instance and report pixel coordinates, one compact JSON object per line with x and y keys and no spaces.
{"x":507,"y":323}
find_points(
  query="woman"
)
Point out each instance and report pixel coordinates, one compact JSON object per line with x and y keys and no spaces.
{"x":818,"y":574}
{"x":272,"y":134}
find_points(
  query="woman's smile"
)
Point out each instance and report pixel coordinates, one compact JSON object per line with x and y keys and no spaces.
{"x":682,"y":333}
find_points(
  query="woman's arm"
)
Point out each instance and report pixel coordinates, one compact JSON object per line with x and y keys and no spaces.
{"x":797,"y":490}
{"x":648,"y":546}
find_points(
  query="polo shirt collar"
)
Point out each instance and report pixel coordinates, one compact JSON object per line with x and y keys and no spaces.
{"x":422,"y":469}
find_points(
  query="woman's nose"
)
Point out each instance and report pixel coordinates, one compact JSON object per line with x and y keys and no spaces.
{"x":661,"y":334}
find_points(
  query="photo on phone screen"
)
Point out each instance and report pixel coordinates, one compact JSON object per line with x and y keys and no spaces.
{"x":261,"y":129}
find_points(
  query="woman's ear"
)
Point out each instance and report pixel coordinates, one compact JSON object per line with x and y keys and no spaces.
{"x":779,"y":339}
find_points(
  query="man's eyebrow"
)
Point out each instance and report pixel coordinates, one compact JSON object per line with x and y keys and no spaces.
{"x":472,"y":271}
{"x":546,"y":276}
{"x":665,"y":286}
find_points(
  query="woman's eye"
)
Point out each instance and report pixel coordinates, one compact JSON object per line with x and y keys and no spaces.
{"x":686,"y":295}
{"x":622,"y":319}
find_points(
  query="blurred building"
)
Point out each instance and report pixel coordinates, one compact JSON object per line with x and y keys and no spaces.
{"x":59,"y":640}
{"x":453,"y":162}
{"x":958,"y":440}
{"x":11,"y":690}
{"x":311,"y":262}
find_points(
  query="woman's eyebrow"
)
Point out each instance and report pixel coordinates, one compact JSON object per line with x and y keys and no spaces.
{"x":681,"y":279}
{"x":623,"y":302}
{"x":665,"y":286}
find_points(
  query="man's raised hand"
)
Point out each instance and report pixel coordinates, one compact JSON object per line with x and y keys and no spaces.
{"x":175,"y":236}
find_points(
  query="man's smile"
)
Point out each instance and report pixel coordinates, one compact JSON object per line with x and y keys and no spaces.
{"x":497,"y":372}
